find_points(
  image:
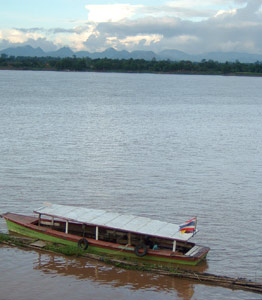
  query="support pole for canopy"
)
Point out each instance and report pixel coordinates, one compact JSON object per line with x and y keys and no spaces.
{"x":84,"y":229}
{"x":97,"y":233}
{"x":129,"y":238}
{"x":39,"y":219}
{"x":52,"y":221}
{"x":66,"y":229}
{"x":174,"y":246}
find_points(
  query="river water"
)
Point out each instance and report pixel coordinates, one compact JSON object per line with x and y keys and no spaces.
{"x":163,"y":146}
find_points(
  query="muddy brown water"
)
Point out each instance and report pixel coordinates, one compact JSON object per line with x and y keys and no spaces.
{"x":28,"y":274}
{"x":162,"y":146}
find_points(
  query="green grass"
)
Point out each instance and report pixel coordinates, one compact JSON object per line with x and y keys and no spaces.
{"x":66,"y":250}
{"x":4,"y":237}
{"x":11,"y":240}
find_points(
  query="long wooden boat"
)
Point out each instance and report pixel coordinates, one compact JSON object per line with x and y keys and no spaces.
{"x":111,"y":233}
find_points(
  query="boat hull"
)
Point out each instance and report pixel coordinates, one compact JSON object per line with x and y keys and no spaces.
{"x":27,"y":228}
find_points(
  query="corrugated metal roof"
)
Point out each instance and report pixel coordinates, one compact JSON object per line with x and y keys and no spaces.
{"x":114,"y":220}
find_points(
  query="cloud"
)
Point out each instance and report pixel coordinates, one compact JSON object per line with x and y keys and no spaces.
{"x":177,"y":12}
{"x":30,"y":30}
{"x":236,"y":29}
{"x":193,"y":26}
{"x":19,"y":36}
{"x":111,"y":12}
{"x":142,"y":40}
{"x":97,"y":42}
{"x":43,"y":43}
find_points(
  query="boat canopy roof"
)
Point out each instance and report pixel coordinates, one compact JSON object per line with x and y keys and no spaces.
{"x":116,"y":221}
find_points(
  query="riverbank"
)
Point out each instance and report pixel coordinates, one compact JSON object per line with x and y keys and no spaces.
{"x":200,"y":277}
{"x":130,"y":66}
{"x":241,"y":74}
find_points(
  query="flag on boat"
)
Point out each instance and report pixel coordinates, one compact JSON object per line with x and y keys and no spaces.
{"x":189,"y":226}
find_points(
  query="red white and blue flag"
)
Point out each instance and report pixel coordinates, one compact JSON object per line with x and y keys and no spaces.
{"x":189,"y":226}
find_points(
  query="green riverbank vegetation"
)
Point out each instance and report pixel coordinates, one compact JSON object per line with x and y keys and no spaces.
{"x":209,"y":67}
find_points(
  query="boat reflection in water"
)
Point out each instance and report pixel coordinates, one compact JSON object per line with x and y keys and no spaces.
{"x":103,"y":274}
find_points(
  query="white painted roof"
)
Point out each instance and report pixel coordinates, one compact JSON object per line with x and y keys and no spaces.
{"x":129,"y":223}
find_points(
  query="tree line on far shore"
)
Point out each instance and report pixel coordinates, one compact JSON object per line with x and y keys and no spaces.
{"x":129,"y":65}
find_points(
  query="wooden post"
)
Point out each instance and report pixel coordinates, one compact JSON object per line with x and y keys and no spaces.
{"x":39,"y":219}
{"x":52,"y":221}
{"x":129,"y":238}
{"x":174,"y":246}
{"x":66,"y":229}
{"x":97,"y":233}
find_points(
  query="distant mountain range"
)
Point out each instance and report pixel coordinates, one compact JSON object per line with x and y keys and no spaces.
{"x":173,"y":55}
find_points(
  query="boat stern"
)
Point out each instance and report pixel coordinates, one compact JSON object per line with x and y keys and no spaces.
{"x":197,"y":252}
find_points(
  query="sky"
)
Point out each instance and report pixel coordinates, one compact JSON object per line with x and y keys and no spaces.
{"x":192,"y":26}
